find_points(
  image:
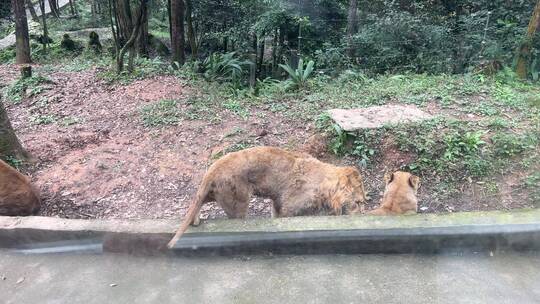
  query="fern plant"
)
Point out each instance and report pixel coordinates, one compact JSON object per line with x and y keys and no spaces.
{"x":223,"y":67}
{"x":298,"y":78}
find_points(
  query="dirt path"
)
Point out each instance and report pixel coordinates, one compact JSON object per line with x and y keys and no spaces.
{"x":9,"y":40}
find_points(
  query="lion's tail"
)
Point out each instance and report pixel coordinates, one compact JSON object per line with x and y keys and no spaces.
{"x":192,"y":212}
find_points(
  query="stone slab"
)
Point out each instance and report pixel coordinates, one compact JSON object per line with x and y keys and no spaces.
{"x":377,"y":116}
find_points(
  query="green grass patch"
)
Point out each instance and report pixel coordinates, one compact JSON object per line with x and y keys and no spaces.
{"x":25,"y":87}
{"x":164,"y":112}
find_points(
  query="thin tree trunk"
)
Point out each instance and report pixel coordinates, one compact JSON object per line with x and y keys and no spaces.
{"x":170,"y":18}
{"x":274,"y":53}
{"x":112,"y":9}
{"x":524,"y":52}
{"x":125,"y":24}
{"x":177,"y":31}
{"x":281,"y":43}
{"x":260,"y":56}
{"x":72,"y":7}
{"x":142,"y":41}
{"x":54,"y":8}
{"x":131,"y":41}
{"x":253,"y":66}
{"x":9,"y":143}
{"x":22,"y":42}
{"x":190,"y":30}
{"x":32,"y":10}
{"x":352,"y":21}
{"x":44,"y":23}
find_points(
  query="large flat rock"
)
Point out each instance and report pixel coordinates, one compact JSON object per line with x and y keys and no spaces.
{"x":377,"y":116}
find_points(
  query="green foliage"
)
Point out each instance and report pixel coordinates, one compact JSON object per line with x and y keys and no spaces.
{"x":145,"y":68}
{"x":7,"y":55}
{"x":233,"y":148}
{"x":459,"y":144}
{"x":360,"y":145}
{"x":224,"y":67}
{"x":508,"y":145}
{"x":298,"y":77}
{"x":13,"y":161}
{"x":42,"y":119}
{"x":444,"y":146}
{"x":25,"y":87}
{"x":362,"y":150}
{"x":164,"y":112}
{"x":339,"y":140}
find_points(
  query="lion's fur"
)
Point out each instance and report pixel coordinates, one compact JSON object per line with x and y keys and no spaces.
{"x":400,"y":194}
{"x":297,"y":183}
{"x":17,"y":195}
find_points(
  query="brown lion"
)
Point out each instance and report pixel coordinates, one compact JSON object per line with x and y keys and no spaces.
{"x":297,"y":183}
{"x":400,"y":194}
{"x":17,"y":195}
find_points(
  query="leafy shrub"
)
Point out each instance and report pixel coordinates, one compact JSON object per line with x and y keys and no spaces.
{"x":25,"y":87}
{"x":224,"y":67}
{"x":460,"y":144}
{"x":357,"y":144}
{"x":332,"y":58}
{"x":508,"y":145}
{"x":298,"y":78}
{"x":7,"y":55}
{"x":402,"y":41}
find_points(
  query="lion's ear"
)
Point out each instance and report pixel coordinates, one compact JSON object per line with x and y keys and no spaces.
{"x":388,"y":177}
{"x":414,"y":182}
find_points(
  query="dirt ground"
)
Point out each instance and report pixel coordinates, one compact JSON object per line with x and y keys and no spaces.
{"x":108,"y":165}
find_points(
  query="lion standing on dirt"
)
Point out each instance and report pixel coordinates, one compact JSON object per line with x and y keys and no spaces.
{"x":297,"y":183}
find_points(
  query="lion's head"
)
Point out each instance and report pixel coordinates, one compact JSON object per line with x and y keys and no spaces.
{"x":348,"y":196}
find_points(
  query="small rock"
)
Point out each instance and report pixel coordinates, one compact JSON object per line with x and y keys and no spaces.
{"x":262,"y":133}
{"x":19,"y":281}
{"x":112,"y":285}
{"x":3,"y":277}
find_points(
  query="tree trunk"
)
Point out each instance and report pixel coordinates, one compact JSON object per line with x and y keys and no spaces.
{"x":352,"y":22}
{"x":44,"y":23}
{"x":190,"y":30}
{"x":142,"y":41}
{"x":9,"y":144}
{"x":125,"y":24}
{"x":131,"y":41}
{"x":112,"y":17}
{"x":253,"y":65}
{"x":54,"y":8}
{"x":72,"y":7}
{"x":22,"y":42}
{"x":524,"y":52}
{"x":274,"y":53}
{"x":177,"y":31}
{"x":260,"y":56}
{"x":32,"y":10}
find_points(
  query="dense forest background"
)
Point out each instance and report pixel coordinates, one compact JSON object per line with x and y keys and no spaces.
{"x":377,"y":36}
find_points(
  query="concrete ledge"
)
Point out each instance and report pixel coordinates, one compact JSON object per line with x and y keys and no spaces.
{"x":422,"y":233}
